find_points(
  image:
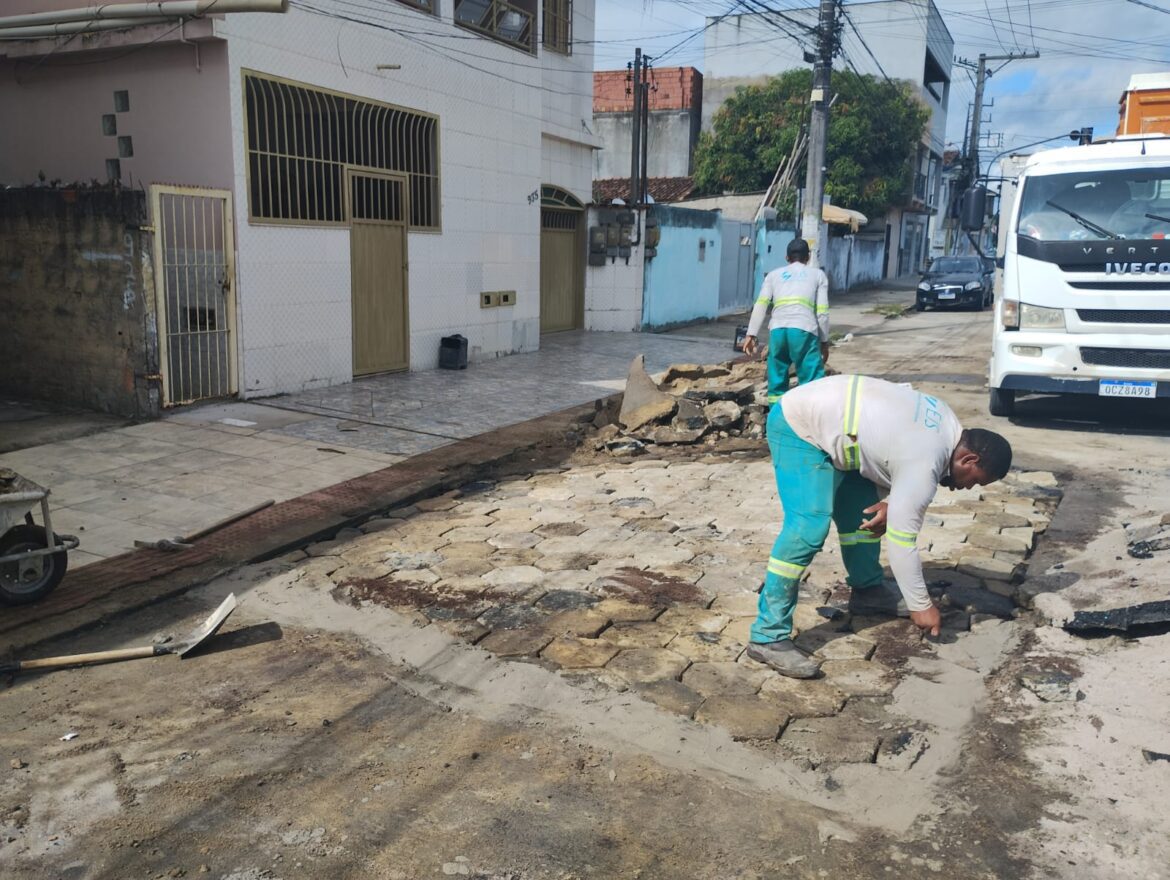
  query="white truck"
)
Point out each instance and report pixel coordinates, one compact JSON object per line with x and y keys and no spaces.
{"x":1085,"y":305}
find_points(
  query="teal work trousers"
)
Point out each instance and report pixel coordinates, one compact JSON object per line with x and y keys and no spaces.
{"x":813,"y":494}
{"x":788,"y":346}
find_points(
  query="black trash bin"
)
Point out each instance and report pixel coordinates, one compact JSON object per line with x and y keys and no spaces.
{"x":453,"y":352}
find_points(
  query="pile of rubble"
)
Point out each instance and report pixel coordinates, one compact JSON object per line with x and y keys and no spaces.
{"x":1147,"y":535}
{"x":692,"y":404}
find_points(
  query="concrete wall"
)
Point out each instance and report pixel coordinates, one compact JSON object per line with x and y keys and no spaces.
{"x":673,"y":137}
{"x":682,"y":280}
{"x":853,"y":261}
{"x":77,"y":296}
{"x":177,"y":121}
{"x":613,"y":291}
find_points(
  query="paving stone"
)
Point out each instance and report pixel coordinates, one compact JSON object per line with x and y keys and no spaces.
{"x":570,"y":652}
{"x":468,"y":534}
{"x":468,"y":550}
{"x":744,"y":717}
{"x":647,"y":664}
{"x":1002,"y":588}
{"x":802,"y":698}
{"x":685,"y":619}
{"x":515,"y":557}
{"x":513,"y":575}
{"x":712,"y":679}
{"x":528,"y":641}
{"x":566,"y":600}
{"x":1001,"y":519}
{"x":860,"y":678}
{"x":515,"y":540}
{"x":380,"y":524}
{"x":465,"y":566}
{"x":447,"y":609}
{"x":671,"y":435}
{"x":443,"y":502}
{"x":806,"y":617}
{"x":739,"y":630}
{"x":565,"y":562}
{"x":708,"y":646}
{"x":670,"y":695}
{"x":1025,"y":534}
{"x":561,"y":529}
{"x":583,"y":622}
{"x":976,"y":600}
{"x":464,"y":521}
{"x":827,"y":643}
{"x":568,"y":579}
{"x":987,"y":567}
{"x":642,"y":401}
{"x":513,"y":616}
{"x":462,"y":628}
{"x":652,"y":524}
{"x":833,"y":740}
{"x":736,"y":604}
{"x":723,"y":414}
{"x":997,"y":542}
{"x":742,"y":391}
{"x":620,"y":611}
{"x":648,"y":587}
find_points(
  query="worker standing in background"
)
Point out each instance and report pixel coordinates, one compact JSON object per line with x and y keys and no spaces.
{"x":798,"y":333}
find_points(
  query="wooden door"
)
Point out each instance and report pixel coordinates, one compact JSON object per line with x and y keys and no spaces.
{"x":378,"y":272}
{"x":560,"y":270}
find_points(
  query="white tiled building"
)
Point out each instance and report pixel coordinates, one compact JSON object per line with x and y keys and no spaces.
{"x":450,"y":133}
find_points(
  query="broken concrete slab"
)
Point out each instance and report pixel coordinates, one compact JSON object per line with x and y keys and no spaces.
{"x":710,"y":391}
{"x":976,"y":600}
{"x":1051,"y":686}
{"x":643,"y":402}
{"x":723,"y":414}
{"x":1120,"y":619}
{"x":669,"y":435}
{"x":689,"y":416}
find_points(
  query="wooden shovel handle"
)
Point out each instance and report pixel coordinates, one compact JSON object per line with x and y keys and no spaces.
{"x":85,"y":659}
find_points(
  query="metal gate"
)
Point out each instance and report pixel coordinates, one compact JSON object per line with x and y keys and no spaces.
{"x":736,"y":269}
{"x":194,"y":278}
{"x":559,"y":270}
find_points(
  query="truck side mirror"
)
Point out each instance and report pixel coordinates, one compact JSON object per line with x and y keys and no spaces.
{"x":974,"y":210}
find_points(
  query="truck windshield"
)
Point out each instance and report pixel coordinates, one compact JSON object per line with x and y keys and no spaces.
{"x":1133,"y":203}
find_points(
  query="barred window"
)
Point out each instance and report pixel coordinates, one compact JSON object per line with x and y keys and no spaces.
{"x":425,"y":5}
{"x":558,"y":26}
{"x":302,"y":139}
{"x":511,"y":23}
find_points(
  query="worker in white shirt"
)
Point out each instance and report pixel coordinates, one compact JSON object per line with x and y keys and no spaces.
{"x":798,"y":333}
{"x":837,"y":445}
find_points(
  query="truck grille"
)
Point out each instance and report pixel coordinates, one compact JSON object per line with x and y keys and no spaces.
{"x":1136,"y":358}
{"x":1125,"y":316}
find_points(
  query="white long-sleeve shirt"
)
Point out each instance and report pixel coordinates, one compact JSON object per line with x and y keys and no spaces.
{"x":798,"y":296}
{"x":896,"y":437}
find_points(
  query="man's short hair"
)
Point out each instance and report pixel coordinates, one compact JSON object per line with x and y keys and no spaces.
{"x":995,"y":453}
{"x":797,"y":249}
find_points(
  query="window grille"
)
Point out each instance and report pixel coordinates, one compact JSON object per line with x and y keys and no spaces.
{"x":558,"y":26}
{"x":554,"y":219}
{"x":301,"y":140}
{"x":424,"y":5}
{"x":555,"y":197}
{"x":509,"y":23}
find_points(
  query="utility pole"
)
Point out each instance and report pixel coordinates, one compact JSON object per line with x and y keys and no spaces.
{"x":636,"y":132}
{"x":818,"y":131}
{"x":977,"y":116}
{"x":644,"y":122}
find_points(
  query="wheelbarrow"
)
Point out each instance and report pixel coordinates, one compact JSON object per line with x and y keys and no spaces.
{"x":33,"y":558}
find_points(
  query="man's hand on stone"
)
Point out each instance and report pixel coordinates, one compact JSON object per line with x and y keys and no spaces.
{"x":824,"y":352}
{"x":876,"y":524}
{"x":929,"y":620}
{"x":749,"y":346}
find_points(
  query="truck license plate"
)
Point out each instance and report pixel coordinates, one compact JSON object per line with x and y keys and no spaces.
{"x":1122,"y":388}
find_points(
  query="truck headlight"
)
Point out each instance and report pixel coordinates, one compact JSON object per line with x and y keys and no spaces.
{"x":925,"y":285}
{"x":1040,"y":318}
{"x":972,"y":285}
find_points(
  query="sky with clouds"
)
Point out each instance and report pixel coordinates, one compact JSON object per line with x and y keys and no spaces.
{"x":1088,"y":49}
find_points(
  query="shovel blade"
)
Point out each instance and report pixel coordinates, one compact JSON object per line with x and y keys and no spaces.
{"x":207,"y":628}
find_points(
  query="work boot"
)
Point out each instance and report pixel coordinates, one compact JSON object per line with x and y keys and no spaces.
{"x":884,"y":600}
{"x":785,"y":658}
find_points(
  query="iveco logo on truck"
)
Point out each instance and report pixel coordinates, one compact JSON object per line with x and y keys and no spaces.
{"x":1137,"y":268}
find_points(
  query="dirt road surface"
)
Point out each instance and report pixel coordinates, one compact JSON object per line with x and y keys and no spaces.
{"x":327,"y":733}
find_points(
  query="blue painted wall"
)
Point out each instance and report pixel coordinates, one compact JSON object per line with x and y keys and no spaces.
{"x":682,"y":279}
{"x":771,"y":244}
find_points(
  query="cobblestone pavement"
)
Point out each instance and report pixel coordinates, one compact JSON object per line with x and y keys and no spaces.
{"x":643,"y":576}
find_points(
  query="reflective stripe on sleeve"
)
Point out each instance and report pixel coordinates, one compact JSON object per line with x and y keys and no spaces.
{"x":852,"y":451}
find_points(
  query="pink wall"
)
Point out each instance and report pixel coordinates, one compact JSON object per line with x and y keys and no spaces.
{"x":179,"y":117}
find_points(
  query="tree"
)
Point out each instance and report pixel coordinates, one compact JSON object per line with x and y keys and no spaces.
{"x":874,"y":130}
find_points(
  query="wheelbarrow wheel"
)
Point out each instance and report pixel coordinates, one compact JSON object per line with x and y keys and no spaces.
{"x":19,"y":587}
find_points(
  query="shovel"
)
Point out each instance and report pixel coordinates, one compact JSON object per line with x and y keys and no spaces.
{"x":181,"y":647}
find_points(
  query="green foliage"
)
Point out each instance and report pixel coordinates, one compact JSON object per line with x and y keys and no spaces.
{"x":874,"y":130}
